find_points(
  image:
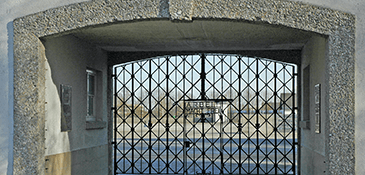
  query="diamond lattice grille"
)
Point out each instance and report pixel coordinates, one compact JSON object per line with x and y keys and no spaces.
{"x":255,"y":132}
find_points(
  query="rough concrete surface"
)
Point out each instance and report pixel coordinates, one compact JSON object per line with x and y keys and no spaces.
{"x":29,"y":58}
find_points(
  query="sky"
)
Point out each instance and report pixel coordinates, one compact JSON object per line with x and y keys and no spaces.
{"x":226,"y":75}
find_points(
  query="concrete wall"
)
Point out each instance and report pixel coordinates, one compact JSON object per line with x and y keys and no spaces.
{"x":313,"y":144}
{"x":355,"y":7}
{"x":67,"y":61}
{"x":9,"y":10}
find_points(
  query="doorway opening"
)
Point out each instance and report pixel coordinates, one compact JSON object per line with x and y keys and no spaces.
{"x":248,"y":125}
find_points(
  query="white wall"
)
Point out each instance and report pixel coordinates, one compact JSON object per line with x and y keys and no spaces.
{"x":67,"y":60}
{"x":313,"y":144}
{"x":9,"y":10}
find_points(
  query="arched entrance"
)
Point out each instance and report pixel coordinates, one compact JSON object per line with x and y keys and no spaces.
{"x":337,"y":27}
{"x":205,"y":114}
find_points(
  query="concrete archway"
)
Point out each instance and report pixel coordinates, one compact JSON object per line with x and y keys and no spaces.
{"x":29,"y":58}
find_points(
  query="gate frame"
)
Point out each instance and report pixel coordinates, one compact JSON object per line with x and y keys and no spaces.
{"x":281,"y":57}
{"x":29,"y":60}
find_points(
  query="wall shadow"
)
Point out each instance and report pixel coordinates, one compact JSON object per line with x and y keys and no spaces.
{"x":10,"y":29}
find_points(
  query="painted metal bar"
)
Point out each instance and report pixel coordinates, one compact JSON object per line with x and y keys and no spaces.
{"x":283,"y":120}
{"x":230,"y":108}
{"x":133,"y":115}
{"x":150,"y":116}
{"x":202,"y":77}
{"x":202,"y":92}
{"x":140,"y":117}
{"x":184,"y":121}
{"x":159,"y":118}
{"x":221,"y":125}
{"x":294,"y":107}
{"x":239,"y":116}
{"x":124,"y":152}
{"x":267,"y":120}
{"x":167,"y":127}
{"x":115,"y":119}
{"x":248,"y":114}
{"x":275,"y":121}
{"x":257,"y":117}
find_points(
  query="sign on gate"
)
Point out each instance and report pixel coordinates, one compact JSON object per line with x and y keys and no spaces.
{"x":195,"y":106}
{"x":212,"y":109}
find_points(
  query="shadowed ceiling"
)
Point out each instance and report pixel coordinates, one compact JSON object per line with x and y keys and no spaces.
{"x":165,"y":35}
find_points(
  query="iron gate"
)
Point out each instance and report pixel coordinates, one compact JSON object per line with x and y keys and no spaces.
{"x":254,"y":134}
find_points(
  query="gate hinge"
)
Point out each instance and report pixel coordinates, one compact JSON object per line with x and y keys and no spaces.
{"x":113,"y":143}
{"x":114,"y":75}
{"x":114,"y":108}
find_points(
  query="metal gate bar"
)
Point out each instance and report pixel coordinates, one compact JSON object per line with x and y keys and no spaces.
{"x":255,"y":135}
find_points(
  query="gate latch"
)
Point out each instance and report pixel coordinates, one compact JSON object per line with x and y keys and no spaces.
{"x":187,"y":144}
